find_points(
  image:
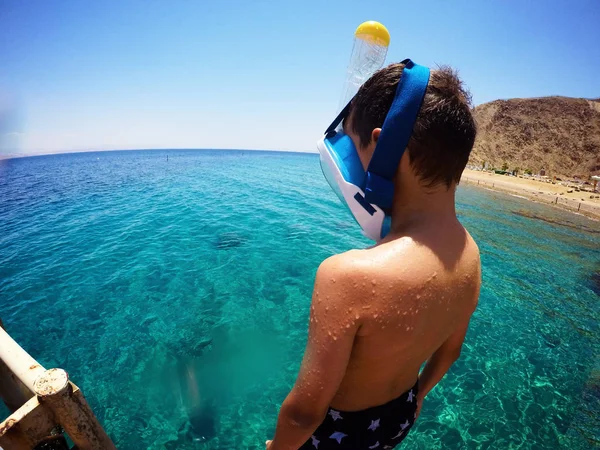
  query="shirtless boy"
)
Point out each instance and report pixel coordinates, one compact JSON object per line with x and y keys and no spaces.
{"x":377,"y":315}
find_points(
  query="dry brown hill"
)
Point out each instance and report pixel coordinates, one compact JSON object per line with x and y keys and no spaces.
{"x":560,"y":135}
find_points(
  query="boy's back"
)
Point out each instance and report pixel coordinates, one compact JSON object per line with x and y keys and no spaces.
{"x":413,"y":294}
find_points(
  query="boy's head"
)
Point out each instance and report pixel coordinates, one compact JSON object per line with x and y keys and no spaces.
{"x":443,"y":134}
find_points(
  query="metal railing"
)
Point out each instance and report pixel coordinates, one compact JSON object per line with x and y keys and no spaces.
{"x":43,"y":404}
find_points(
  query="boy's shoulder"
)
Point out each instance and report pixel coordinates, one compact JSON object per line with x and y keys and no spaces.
{"x":372,"y":261}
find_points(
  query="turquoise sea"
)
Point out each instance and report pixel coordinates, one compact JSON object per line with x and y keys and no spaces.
{"x":176,"y":294}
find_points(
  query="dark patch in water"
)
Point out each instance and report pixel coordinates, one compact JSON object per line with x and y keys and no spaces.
{"x":274,"y":292}
{"x":229,"y":240}
{"x":202,"y":423}
{"x":562,"y":223}
{"x":548,"y":332}
{"x":296,"y":231}
{"x":595,"y":282}
{"x":197,"y":348}
{"x":344,"y":225}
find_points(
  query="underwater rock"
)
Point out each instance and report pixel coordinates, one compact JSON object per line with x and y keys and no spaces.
{"x":148,"y":320}
{"x":197,"y":349}
{"x":549,"y":333}
{"x":229,"y":240}
{"x":275,"y":293}
{"x":551,"y":340}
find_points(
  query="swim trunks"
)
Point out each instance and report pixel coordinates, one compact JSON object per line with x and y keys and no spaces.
{"x":380,"y":427}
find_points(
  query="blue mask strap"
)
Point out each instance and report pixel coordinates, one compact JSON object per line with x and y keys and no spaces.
{"x":395,"y":134}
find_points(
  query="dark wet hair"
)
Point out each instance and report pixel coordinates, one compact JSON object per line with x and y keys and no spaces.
{"x":444,"y":132}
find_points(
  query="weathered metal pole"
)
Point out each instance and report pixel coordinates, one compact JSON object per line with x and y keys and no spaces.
{"x":18,"y":361}
{"x":12,"y":390}
{"x":65,"y":400}
{"x":62,"y":400}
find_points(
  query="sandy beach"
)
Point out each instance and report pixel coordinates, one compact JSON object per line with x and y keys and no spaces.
{"x":555,"y":194}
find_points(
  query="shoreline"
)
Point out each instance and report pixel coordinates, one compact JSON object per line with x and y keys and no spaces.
{"x":555,"y":195}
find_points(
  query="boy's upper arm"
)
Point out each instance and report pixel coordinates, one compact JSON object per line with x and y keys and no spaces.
{"x":331,"y":334}
{"x":453,"y":344}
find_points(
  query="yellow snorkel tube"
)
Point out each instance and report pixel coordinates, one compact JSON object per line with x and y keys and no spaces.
{"x":371,"y":42}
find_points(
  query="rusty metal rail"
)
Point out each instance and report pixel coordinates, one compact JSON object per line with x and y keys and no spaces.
{"x":42,"y":402}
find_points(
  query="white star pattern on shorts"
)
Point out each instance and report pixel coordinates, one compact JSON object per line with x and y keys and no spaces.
{"x":338,"y":436}
{"x":405,"y":425}
{"x":315,"y":442}
{"x":335,"y":415}
{"x":374,"y":425}
{"x":410,"y":396}
{"x":375,"y":445}
{"x":400,"y":433}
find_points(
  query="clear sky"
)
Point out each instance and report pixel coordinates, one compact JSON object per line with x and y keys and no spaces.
{"x":91,"y":75}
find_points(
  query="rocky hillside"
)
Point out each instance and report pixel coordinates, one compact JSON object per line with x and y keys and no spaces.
{"x":560,"y":135}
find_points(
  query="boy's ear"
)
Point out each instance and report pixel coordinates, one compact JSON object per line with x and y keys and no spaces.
{"x":375,"y":135}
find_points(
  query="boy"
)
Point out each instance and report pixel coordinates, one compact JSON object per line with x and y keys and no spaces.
{"x":377,"y":315}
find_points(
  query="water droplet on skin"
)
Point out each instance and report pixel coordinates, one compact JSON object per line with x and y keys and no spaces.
{"x":335,"y":338}
{"x":418,"y":296}
{"x":373,"y":282}
{"x":327,"y":308}
{"x":373,"y":292}
{"x":356,"y":316}
{"x":348,"y":325}
{"x":329,"y":333}
{"x":375,"y":316}
{"x":333,"y":280}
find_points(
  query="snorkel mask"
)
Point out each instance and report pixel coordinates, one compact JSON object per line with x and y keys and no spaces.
{"x":369,"y":194}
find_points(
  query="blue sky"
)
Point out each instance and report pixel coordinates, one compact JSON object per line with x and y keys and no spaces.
{"x":93,"y":75}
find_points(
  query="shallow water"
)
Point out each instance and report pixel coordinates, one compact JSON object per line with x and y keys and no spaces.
{"x":176,"y":295}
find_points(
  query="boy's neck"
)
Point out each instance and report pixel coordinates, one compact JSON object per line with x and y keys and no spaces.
{"x":415,"y":207}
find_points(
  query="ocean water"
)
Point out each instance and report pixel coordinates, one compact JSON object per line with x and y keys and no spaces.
{"x":176,"y":294}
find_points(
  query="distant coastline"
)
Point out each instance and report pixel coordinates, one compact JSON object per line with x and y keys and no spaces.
{"x":555,"y":195}
{"x":74,"y":152}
